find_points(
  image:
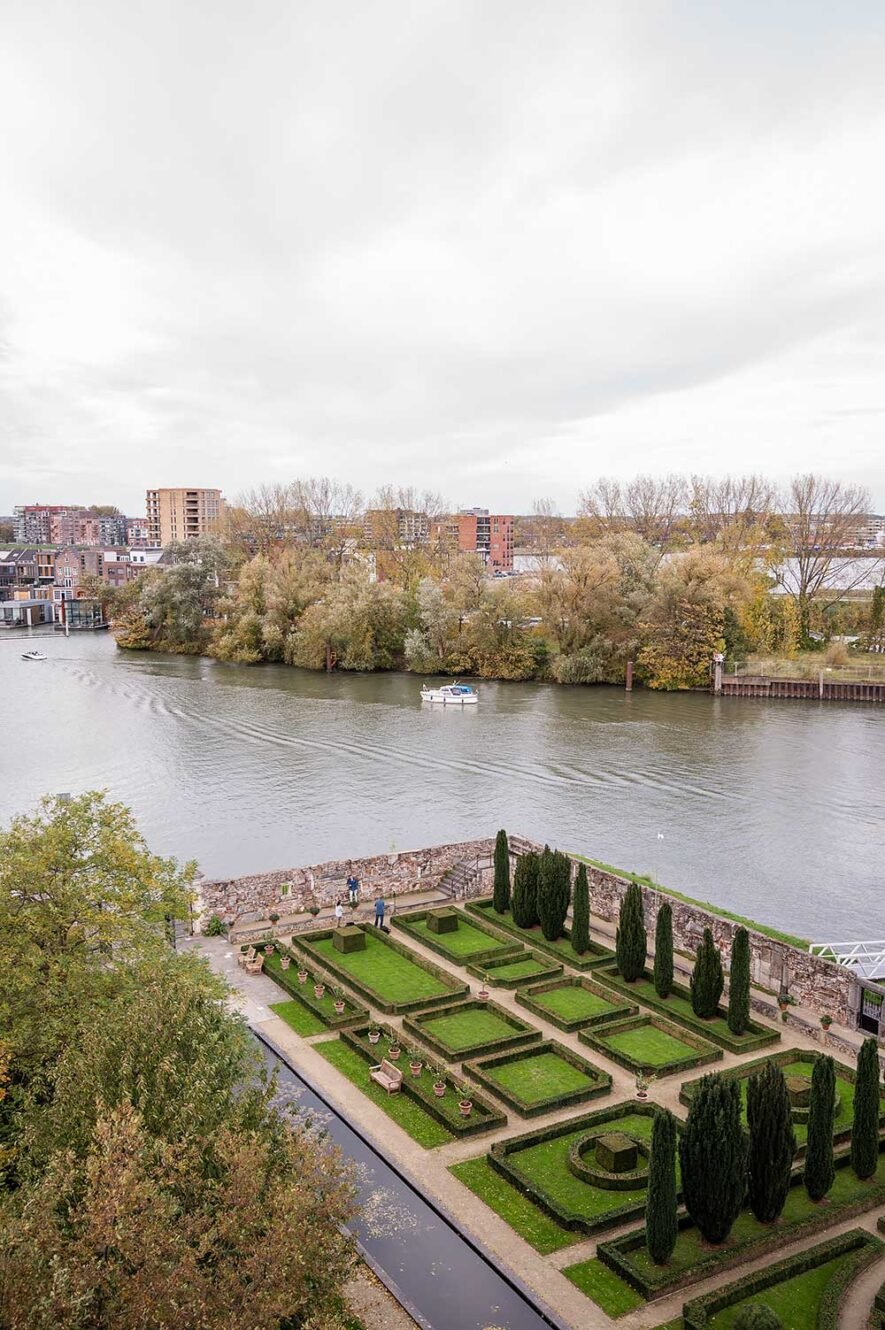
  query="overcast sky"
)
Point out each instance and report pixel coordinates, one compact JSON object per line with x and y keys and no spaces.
{"x":496,"y":249}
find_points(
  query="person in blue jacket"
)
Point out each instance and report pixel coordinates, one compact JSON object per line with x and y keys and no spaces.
{"x":379,"y":911}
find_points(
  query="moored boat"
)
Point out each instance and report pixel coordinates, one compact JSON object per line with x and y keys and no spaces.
{"x":451,"y":695}
{"x":33,"y":655}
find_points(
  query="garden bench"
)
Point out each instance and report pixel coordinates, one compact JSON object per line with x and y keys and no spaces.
{"x":387,"y":1075}
{"x":255,"y":966}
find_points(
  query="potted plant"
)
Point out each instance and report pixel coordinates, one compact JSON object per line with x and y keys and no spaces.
{"x":319,"y":989}
{"x":269,"y":949}
{"x":394,"y":1052}
{"x":415,"y":1063}
{"x":312,"y":907}
{"x":642,"y":1084}
{"x":285,"y":961}
{"x":483,"y":994}
{"x":465,"y":1103}
{"x":783,"y":999}
{"x":374,"y":1036}
{"x":339,"y":1001}
{"x":274,"y":917}
{"x":826,"y":1020}
{"x":439,"y":1082}
{"x":302,"y":975}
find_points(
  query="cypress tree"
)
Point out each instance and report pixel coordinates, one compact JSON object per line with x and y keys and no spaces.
{"x":739,"y":983}
{"x":524,"y":898}
{"x":664,"y":951}
{"x":713,"y":1156}
{"x":501,"y":898}
{"x":865,"y":1128}
{"x":581,"y":912}
{"x":707,"y":981}
{"x":772,"y":1143}
{"x":554,"y":892}
{"x":660,"y":1206}
{"x":546,"y":889}
{"x":819,"y":1170}
{"x":630,"y":942}
{"x":756,"y":1316}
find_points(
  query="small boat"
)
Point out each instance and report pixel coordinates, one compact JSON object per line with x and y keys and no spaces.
{"x":33,"y":655}
{"x":451,"y":695}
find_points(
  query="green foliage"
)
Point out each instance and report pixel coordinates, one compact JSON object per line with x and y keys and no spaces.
{"x":524,"y":900}
{"x":580,"y":936}
{"x":554,"y":892}
{"x":630,"y":939}
{"x":865,"y":1128}
{"x":739,"y":983}
{"x":713,"y":1156}
{"x":663,"y":971}
{"x":756,"y":1316}
{"x":215,"y":927}
{"x":707,"y":980}
{"x":819,"y":1170}
{"x":772,"y":1143}
{"x":501,"y":898}
{"x":660,"y":1210}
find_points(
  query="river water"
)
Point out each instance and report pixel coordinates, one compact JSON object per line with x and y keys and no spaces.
{"x":773,"y":809}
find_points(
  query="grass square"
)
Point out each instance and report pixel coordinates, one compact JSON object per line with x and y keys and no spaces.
{"x":604,"y":1287}
{"x":385,"y":972}
{"x":299,"y":1018}
{"x":650,"y":1045}
{"x":470,"y":1029}
{"x":540,"y":1078}
{"x":571,"y":1003}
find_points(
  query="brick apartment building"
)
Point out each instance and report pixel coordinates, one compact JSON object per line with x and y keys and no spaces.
{"x":183,"y":514}
{"x":477,"y":531}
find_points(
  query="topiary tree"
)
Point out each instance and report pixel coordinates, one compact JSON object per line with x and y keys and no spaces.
{"x":756,"y":1316}
{"x":772,"y":1143}
{"x":501,"y":897}
{"x":630,"y":941}
{"x":524,"y":897}
{"x":739,"y":983}
{"x":554,"y":892}
{"x":865,"y":1127}
{"x":660,"y":1205}
{"x":819,"y":1170}
{"x":663,"y":972}
{"x":545,"y":887}
{"x":581,"y":912}
{"x":707,"y":981}
{"x":713,"y":1157}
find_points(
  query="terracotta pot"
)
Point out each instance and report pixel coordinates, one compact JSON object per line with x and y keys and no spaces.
{"x":465,"y":1107}
{"x":642,"y":1094}
{"x":319,"y":990}
{"x":302,"y":976}
{"x":415,"y":1068}
{"x":374,"y":1036}
{"x":269,"y":950}
{"x":339,"y":1008}
{"x":826,"y":1022}
{"x":482,"y":995}
{"x":284,"y":962}
{"x":439,"y":1088}
{"x":394,"y":1053}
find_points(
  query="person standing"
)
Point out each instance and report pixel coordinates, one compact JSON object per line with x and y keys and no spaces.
{"x":339,"y":913}
{"x":379,"y":911}
{"x":353,"y":888}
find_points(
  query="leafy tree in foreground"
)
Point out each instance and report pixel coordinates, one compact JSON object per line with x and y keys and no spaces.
{"x":630,"y":940}
{"x":524,"y":899}
{"x":501,"y":897}
{"x":756,"y":1316}
{"x":707,"y":981}
{"x":772,"y":1143}
{"x":819,"y":1170}
{"x":660,"y":1208}
{"x":713,"y":1157}
{"x":663,"y":971}
{"x":581,"y":912}
{"x":865,"y":1128}
{"x":739,"y":983}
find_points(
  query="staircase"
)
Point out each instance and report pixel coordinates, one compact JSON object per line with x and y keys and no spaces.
{"x":464,"y":878}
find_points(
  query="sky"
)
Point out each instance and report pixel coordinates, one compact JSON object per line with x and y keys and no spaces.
{"x":494,"y":249}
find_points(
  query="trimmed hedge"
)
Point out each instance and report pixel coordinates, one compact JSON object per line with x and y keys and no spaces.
{"x":596,"y":953}
{"x":302,"y":945}
{"x":597,"y":1040}
{"x":523,"y":1033}
{"x":658,"y":1280}
{"x":862,"y":1246}
{"x":601,"y":1081}
{"x":486,"y":971}
{"x":405,"y":924}
{"x":484,"y":1117}
{"x":303,"y":993}
{"x":756,"y":1037}
{"x":526,"y":998}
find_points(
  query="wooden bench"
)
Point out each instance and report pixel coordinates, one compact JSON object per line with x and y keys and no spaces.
{"x":255,"y":966}
{"x":387,"y":1075}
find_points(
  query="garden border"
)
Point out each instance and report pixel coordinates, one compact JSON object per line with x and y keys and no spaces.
{"x":302,"y":945}
{"x":596,"y":954}
{"x":404,"y":923}
{"x":706,"y":1051}
{"x":519,"y":1039}
{"x":486,"y":970}
{"x":525,"y":997}
{"x":303,"y":993}
{"x":478,"y":1067}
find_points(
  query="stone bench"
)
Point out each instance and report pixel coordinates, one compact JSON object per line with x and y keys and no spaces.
{"x":387,"y":1076}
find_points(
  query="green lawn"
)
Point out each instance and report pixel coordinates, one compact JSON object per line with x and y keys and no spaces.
{"x":465,"y":941}
{"x":795,"y":1301}
{"x":301,"y":1020}
{"x":604,"y":1287}
{"x":845,"y":1089}
{"x":526,"y":969}
{"x":572,"y":1003}
{"x":406,"y":1112}
{"x":461,"y":1031}
{"x":534,"y":1079}
{"x":523,"y":1216}
{"x":534,"y":936}
{"x":675,"y":1006}
{"x":393,"y":976}
{"x":648,"y":1045}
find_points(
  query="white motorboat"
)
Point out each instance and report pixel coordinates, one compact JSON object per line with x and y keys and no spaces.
{"x":33,"y":655}
{"x":451,"y":695}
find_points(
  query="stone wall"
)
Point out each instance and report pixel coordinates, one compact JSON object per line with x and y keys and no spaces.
{"x":287,"y":891}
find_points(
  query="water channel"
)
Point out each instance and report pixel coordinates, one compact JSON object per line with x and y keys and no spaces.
{"x":773,"y":809}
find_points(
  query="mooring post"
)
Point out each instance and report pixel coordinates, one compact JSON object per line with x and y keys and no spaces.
{"x":820,"y":678}
{"x":628,"y":687}
{"x":717,"y":674}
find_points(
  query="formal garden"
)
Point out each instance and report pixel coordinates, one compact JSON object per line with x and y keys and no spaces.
{"x":679,"y":1174}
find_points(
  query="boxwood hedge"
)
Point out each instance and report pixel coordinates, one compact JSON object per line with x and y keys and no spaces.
{"x":527,"y":997}
{"x":597,"y":954}
{"x":523,"y":1033}
{"x":598,"y":1038}
{"x":600,"y":1080}
{"x":322,"y":1008}
{"x":302,"y":946}
{"x":406,"y":923}
{"x":488,"y":971}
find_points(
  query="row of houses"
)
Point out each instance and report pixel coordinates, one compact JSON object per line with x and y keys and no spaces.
{"x":42,"y":585}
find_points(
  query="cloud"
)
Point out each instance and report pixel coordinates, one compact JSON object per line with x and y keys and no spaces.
{"x":492,"y":249}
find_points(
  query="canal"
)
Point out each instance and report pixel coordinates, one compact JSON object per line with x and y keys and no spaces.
{"x":776,"y":810}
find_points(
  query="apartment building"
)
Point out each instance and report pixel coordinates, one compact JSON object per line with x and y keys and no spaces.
{"x":32,"y":522}
{"x":183,"y":514}
{"x":490,"y":535}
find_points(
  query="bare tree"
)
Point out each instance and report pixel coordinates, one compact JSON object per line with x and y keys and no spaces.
{"x":737,"y":512}
{"x":653,"y":506}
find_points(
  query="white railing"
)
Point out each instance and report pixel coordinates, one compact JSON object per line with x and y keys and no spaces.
{"x":867,"y":958}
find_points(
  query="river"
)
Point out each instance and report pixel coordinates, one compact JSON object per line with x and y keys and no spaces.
{"x":773,"y":809}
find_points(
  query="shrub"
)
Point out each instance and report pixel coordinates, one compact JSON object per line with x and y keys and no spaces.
{"x":581,"y":912}
{"x":713,"y":1155}
{"x":663,"y":972}
{"x":819,"y":1170}
{"x":524,"y":899}
{"x":501,"y":898}
{"x":660,"y":1210}
{"x":772,"y":1143}
{"x":756,"y":1316}
{"x":215,"y":927}
{"x":707,"y":981}
{"x":739,"y":983}
{"x":865,"y":1128}
{"x":630,"y":942}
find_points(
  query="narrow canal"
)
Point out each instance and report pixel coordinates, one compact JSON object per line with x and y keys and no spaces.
{"x":446,"y":1283}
